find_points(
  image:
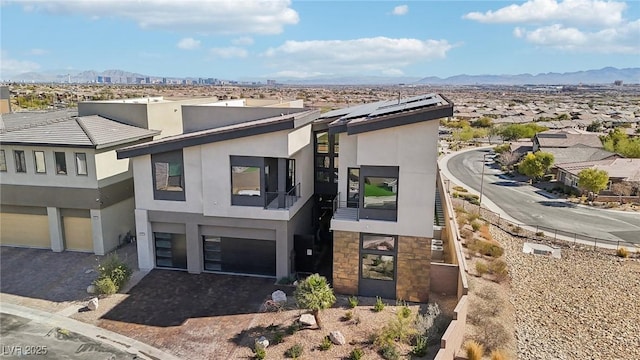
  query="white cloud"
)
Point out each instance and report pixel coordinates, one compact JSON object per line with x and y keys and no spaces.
{"x":38,"y":52}
{"x":10,"y":67}
{"x":296,"y":74}
{"x":400,"y":10}
{"x":188,"y":44}
{"x":587,"y":12}
{"x":393,"y":72}
{"x":242,"y":41}
{"x":354,"y":56}
{"x":228,"y":52}
{"x":622,"y":40}
{"x":202,"y":16}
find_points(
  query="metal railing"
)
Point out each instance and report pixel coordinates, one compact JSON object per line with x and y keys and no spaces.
{"x":282,"y":199}
{"x":345,"y":210}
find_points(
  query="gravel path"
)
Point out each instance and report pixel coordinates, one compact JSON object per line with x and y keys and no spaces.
{"x":583,"y":306}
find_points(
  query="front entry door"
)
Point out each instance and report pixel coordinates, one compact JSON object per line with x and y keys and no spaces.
{"x":378,"y":265}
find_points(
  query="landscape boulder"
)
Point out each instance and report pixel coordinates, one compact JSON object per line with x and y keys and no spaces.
{"x":279,"y":296}
{"x":307,"y":320}
{"x":337,"y":338}
{"x":91,"y":289}
{"x":261,"y":343}
{"x":93,"y":304}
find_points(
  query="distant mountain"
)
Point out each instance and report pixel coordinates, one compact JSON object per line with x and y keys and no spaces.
{"x":603,"y":76}
{"x":352,"y":80}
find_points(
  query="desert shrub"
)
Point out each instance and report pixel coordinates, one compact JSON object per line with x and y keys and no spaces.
{"x":484,"y":231}
{"x":399,"y":328}
{"x":432,"y":324}
{"x":379,"y":305}
{"x":498,"y":267}
{"x":326,"y":344}
{"x":481,"y":268}
{"x":114,"y":269}
{"x":517,"y":229}
{"x":486,"y":248}
{"x":353,"y":301}
{"x":475,"y":225}
{"x":540,"y":233}
{"x":420,"y":348}
{"x":277,"y":338}
{"x":487,"y":304}
{"x":294,"y":352}
{"x":348,"y":315}
{"x":293,"y":328}
{"x":473,"y":217}
{"x":459,"y":188}
{"x":105,"y":285}
{"x":498,"y":355}
{"x":474,"y":350}
{"x":356,"y":354}
{"x":502,"y":148}
{"x":259,"y":353}
{"x":492,"y":334}
{"x":389,"y":352}
{"x":622,"y":252}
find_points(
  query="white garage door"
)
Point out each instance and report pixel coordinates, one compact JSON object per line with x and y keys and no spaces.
{"x":77,"y":234}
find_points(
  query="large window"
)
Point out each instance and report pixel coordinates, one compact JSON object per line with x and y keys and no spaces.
{"x":81,"y":164}
{"x":21,"y":163}
{"x":245,"y":180}
{"x":377,"y":254}
{"x":380,"y":193}
{"x":322,"y":142}
{"x":38,"y":157}
{"x":61,"y":163}
{"x":168,"y":176}
{"x":3,"y":161}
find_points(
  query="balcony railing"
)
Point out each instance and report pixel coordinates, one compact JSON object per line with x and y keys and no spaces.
{"x":281,"y":199}
{"x":345,"y":210}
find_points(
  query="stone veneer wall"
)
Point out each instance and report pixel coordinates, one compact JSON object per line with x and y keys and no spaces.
{"x":414,"y":263}
{"x":346,"y":262}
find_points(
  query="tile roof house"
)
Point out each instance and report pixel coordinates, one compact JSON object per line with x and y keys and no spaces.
{"x":564,"y":139}
{"x":619,"y":170}
{"x":62,"y":186}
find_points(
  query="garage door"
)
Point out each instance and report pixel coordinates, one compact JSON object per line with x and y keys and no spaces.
{"x":244,"y":256}
{"x":24,"y":230}
{"x":77,"y":233}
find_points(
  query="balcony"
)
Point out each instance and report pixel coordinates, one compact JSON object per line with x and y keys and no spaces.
{"x":280,"y":200}
{"x":345,"y":210}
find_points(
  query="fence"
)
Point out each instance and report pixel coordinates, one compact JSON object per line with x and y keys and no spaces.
{"x":542,"y":233}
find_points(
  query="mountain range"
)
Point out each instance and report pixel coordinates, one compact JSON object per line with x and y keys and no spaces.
{"x":605,"y":75}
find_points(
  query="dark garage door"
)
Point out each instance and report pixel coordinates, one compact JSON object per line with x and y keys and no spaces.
{"x":248,"y":256}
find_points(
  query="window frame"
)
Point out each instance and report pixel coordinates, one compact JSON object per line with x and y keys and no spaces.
{"x":86,"y":167}
{"x":248,"y":161}
{"x":175,"y":156}
{"x":375,"y":252}
{"x":379,"y":213}
{"x":35,"y":162}
{"x":3,"y":161}
{"x":64,"y":158}
{"x":20,"y":161}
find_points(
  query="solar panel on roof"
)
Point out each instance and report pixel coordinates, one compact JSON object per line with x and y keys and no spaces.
{"x":406,"y":106}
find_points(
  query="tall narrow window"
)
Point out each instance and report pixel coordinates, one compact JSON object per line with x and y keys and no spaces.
{"x":168,"y":176}
{"x":81,"y":163}
{"x":291,"y":174}
{"x":21,"y":163}
{"x":353,"y":187}
{"x":38,"y":157}
{"x":3,"y":161}
{"x":322,"y":143}
{"x":61,"y":163}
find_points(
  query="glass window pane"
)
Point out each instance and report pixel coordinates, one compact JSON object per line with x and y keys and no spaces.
{"x":3,"y":161}
{"x":168,"y":176}
{"x":322,"y":143}
{"x":21,"y":163}
{"x":378,"y":267}
{"x":336,"y":144}
{"x":322,"y":162}
{"x":61,"y":163}
{"x":380,"y":193}
{"x":378,"y":242}
{"x":353,"y":186}
{"x":322,"y":176}
{"x":40,"y":163}
{"x":245,"y":180}
{"x":81,"y":163}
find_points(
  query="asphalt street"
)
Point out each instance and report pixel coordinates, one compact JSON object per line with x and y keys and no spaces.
{"x":531,"y":206}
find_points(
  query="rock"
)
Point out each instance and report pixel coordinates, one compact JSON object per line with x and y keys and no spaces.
{"x":307,"y":320}
{"x":89,"y":271}
{"x":91,"y":289}
{"x":279,"y":296}
{"x":337,"y":338}
{"x":93,"y":304}
{"x":261,"y":343}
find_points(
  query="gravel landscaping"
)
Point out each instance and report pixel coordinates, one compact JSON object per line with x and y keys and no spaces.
{"x":583,"y":306}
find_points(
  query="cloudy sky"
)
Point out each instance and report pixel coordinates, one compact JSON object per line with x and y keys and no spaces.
{"x":232,"y":39}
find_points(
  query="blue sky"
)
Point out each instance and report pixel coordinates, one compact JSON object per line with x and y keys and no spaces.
{"x":246,"y":39}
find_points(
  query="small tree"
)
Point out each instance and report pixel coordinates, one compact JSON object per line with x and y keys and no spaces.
{"x":536,"y":165}
{"x":315,"y":294}
{"x":593,"y":180}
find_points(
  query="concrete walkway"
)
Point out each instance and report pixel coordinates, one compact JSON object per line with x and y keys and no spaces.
{"x":122,"y":343}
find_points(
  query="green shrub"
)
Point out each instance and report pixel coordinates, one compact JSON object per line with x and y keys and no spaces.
{"x":326,"y":344}
{"x":405,"y":312}
{"x":379,"y":305}
{"x":348,"y":315}
{"x":399,"y":328}
{"x":459,"y":188}
{"x":293,"y":328}
{"x":481,"y":268}
{"x":486,"y":248}
{"x":474,"y":350}
{"x":294,"y":352}
{"x":105,"y":285}
{"x":353,"y":301}
{"x":114,"y":269}
{"x":278,"y":337}
{"x":259,"y":353}
{"x":622,"y":252}
{"x":420,"y":348}
{"x":502,"y":148}
{"x":389,"y":352}
{"x":356,"y":354}
{"x":476,"y":225}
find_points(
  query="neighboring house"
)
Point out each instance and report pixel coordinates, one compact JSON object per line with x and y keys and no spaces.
{"x":5,"y":100}
{"x":619,"y":170}
{"x":384,"y":209}
{"x":62,"y":186}
{"x":565,"y":139}
{"x":251,"y":190}
{"x":579,"y":154}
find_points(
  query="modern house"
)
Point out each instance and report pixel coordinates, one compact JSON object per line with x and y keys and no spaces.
{"x":5,"y":100}
{"x":62,"y":186}
{"x":255,"y":190}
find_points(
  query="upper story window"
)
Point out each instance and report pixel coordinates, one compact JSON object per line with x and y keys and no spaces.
{"x":251,"y":179}
{"x":38,"y":157}
{"x":81,"y":164}
{"x":168,"y":176}
{"x":245,"y":180}
{"x":21,"y":163}
{"x":61,"y":163}
{"x":379,"y":192}
{"x":3,"y":161}
{"x":322,"y":142}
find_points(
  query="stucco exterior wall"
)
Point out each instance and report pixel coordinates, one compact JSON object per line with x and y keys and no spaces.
{"x":117,"y":220}
{"x":127,"y":113}
{"x":108,"y":166}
